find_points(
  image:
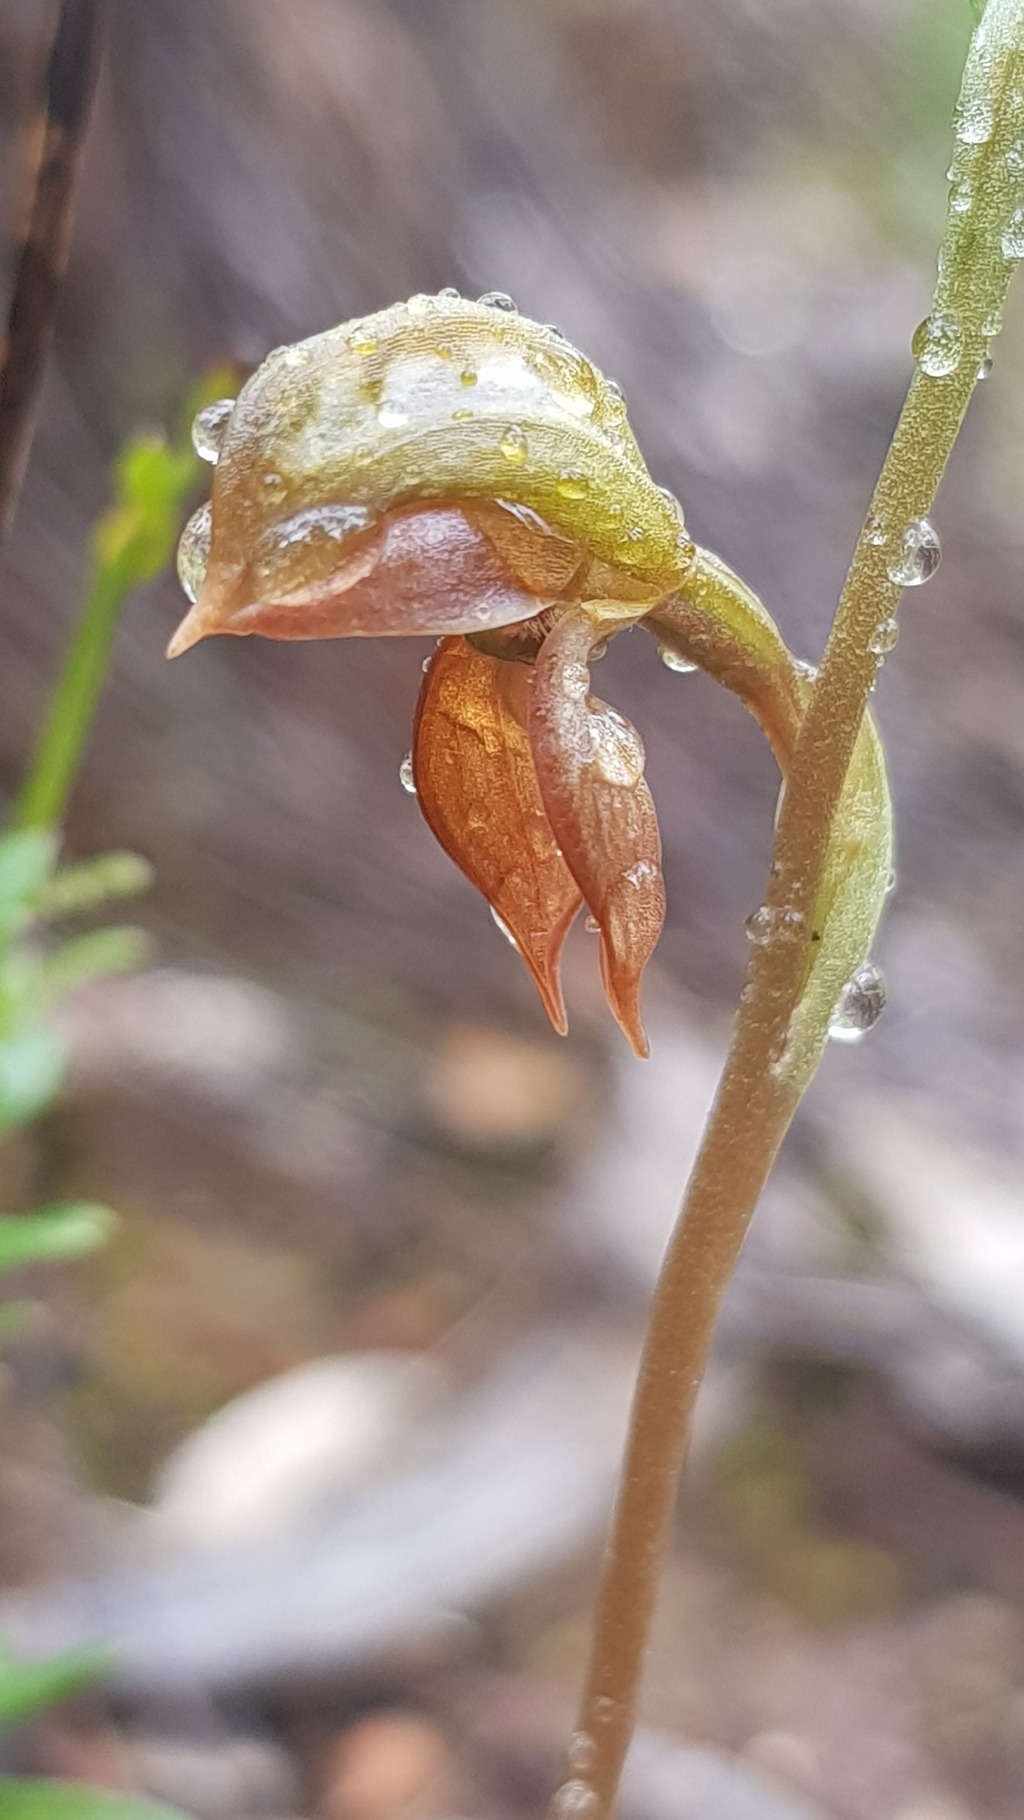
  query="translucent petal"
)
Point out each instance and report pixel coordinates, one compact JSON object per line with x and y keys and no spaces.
{"x":477,"y":789}
{"x":589,"y":763}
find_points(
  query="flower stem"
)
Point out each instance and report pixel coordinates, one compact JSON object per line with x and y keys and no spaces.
{"x":765,"y":1074}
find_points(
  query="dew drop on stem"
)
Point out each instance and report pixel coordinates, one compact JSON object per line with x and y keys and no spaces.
{"x":884,"y":638}
{"x":674,"y":660}
{"x":938,"y":344}
{"x":859,"y":1005}
{"x":918,"y":555}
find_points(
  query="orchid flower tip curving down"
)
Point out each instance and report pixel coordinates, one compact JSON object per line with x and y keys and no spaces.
{"x":449,"y":468}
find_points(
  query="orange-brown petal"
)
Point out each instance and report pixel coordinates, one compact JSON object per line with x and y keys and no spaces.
{"x":478,"y":791}
{"x":589,"y":763}
{"x":425,"y":569}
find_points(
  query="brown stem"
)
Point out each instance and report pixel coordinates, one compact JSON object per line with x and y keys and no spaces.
{"x":755,"y":1104}
{"x":70,"y":85}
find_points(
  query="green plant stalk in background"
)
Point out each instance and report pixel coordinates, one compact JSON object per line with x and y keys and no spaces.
{"x":131,"y":544}
{"x":779,"y":1034}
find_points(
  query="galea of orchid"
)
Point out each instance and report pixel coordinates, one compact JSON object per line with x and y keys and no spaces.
{"x":449,"y":468}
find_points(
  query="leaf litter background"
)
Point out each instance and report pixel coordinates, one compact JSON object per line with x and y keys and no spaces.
{"x":331,"y":1112}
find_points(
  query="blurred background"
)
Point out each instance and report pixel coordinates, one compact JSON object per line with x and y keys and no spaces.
{"x":325,"y":1439}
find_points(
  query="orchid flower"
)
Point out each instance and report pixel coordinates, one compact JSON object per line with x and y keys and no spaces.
{"x":450,"y":468}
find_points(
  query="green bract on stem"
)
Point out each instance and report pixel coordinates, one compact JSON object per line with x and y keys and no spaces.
{"x":781,"y":1027}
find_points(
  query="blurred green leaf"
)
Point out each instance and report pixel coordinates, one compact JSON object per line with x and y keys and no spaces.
{"x":26,"y":861}
{"x":28,"y":1687}
{"x":119,"y":949}
{"x":134,"y":539}
{"x":71,"y":1801}
{"x":68,"y":1231}
{"x":94,"y":882}
{"x":32,"y":1065}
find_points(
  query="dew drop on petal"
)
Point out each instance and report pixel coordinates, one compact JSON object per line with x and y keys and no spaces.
{"x":592,"y":926}
{"x":985,"y":369}
{"x":513,"y":445}
{"x":500,"y":923}
{"x":209,"y":428}
{"x":616,"y":390}
{"x":500,"y":300}
{"x":572,"y":484}
{"x":938,"y":344}
{"x":884,"y":639}
{"x":674,"y":660}
{"x":918,"y":556}
{"x":616,"y":749}
{"x":194,"y":551}
{"x":859,"y":1005}
{"x":406,"y":775}
{"x":449,"y":294}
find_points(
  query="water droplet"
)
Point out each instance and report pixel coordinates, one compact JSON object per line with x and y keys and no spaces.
{"x":500,"y":923}
{"x":592,"y":926}
{"x":993,"y":322}
{"x":674,"y":660}
{"x":194,"y":551}
{"x":572,"y":484}
{"x":406,"y":776}
{"x":1015,"y":156}
{"x":582,"y":1752}
{"x":890,"y":883}
{"x":209,"y":429}
{"x":640,"y":874}
{"x":363,"y":343}
{"x":780,"y":924}
{"x":859,"y":1005}
{"x":938,"y":344}
{"x":553,"y":329}
{"x":810,"y":671}
{"x":974,"y":120}
{"x":419,"y":304}
{"x":500,"y":300}
{"x":391,"y":418}
{"x":449,"y":294}
{"x":514,"y":445}
{"x":671,"y":501}
{"x":468,"y":376}
{"x":616,"y":749}
{"x":616,"y":390}
{"x":985,"y":369}
{"x":960,"y":197}
{"x":575,"y":1800}
{"x":575,"y":681}
{"x":1013,"y":236}
{"x":920,"y":553}
{"x":336,"y":522}
{"x":884,"y":639}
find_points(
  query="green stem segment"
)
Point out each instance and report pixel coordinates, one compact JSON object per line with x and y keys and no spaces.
{"x":758,"y":1095}
{"x":55,"y":760}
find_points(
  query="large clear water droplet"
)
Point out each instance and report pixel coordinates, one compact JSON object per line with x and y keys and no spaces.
{"x":572,"y":484}
{"x":406,"y":775}
{"x":209,"y":428}
{"x":513,"y":445}
{"x":194,"y":551}
{"x":859,"y":1005}
{"x":674,"y":660}
{"x":938,"y":344}
{"x":1013,"y":236}
{"x":500,"y":300}
{"x":918,"y":556}
{"x":450,"y":293}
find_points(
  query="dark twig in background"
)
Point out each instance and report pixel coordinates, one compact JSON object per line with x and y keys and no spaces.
{"x":70,"y":84}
